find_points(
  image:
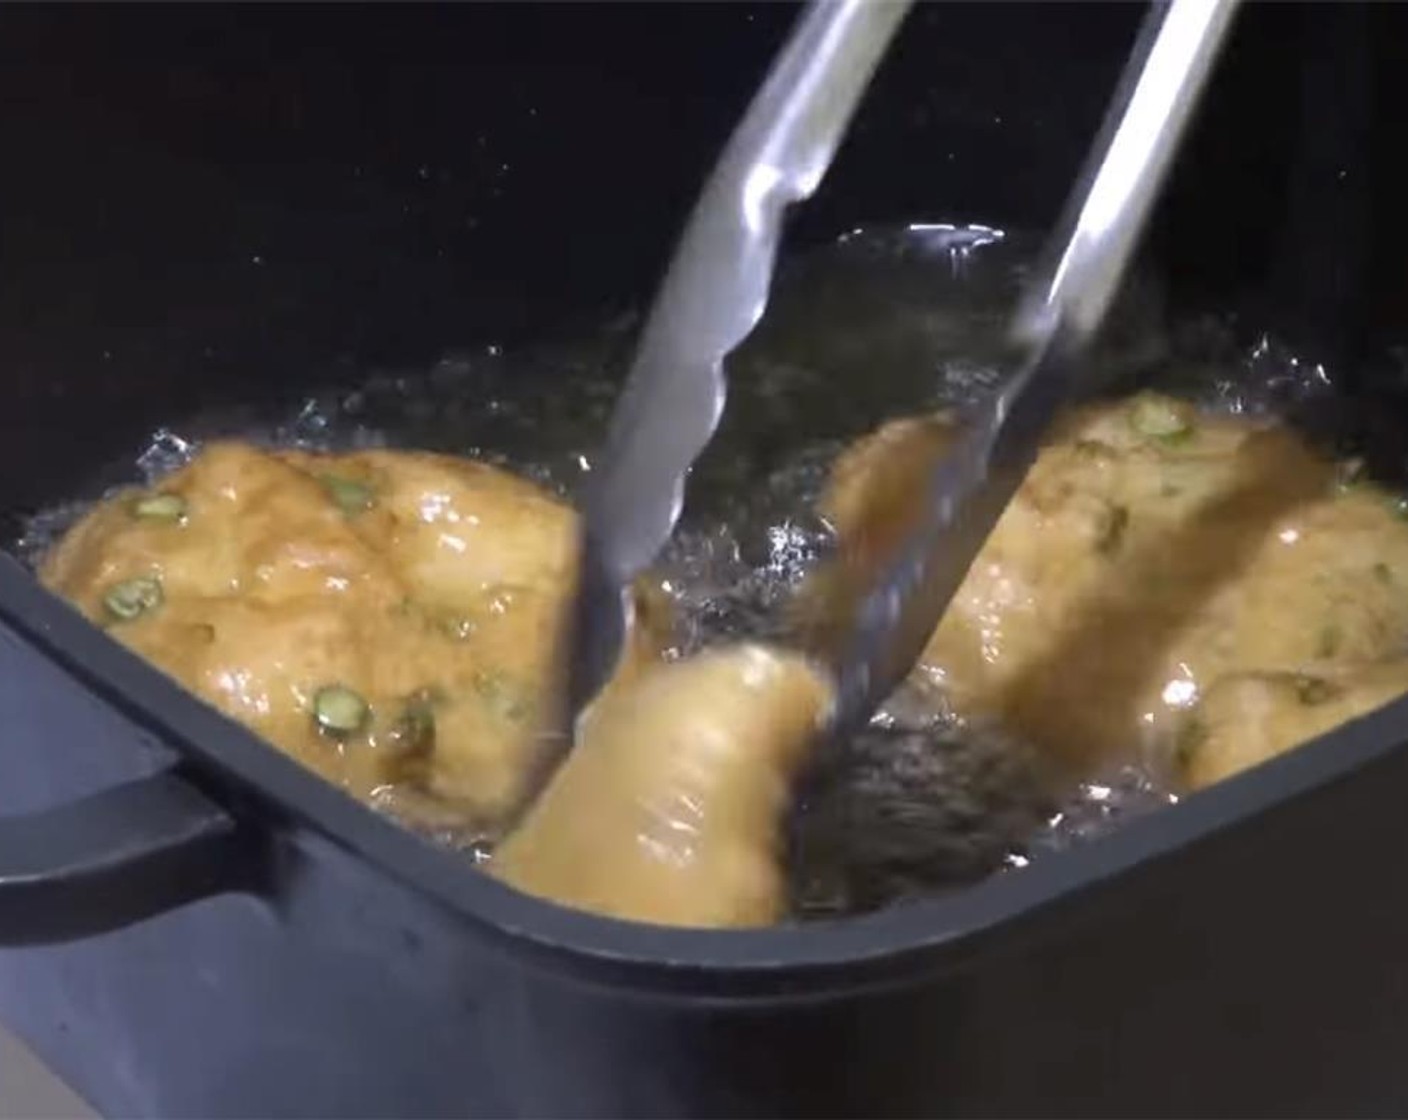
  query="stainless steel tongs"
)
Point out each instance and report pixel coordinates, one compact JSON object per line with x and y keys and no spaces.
{"x":717,"y":287}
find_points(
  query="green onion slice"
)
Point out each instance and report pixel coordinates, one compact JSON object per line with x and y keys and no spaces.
{"x":133,"y":597}
{"x":1160,"y":418}
{"x":350,"y":495}
{"x":339,"y":712}
{"x":160,"y":507}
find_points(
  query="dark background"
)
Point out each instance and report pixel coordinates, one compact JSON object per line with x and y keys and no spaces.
{"x":199,"y":201}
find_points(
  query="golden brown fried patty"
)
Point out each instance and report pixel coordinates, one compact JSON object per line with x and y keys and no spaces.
{"x":668,"y":808}
{"x":1150,"y":553}
{"x":390,"y":619}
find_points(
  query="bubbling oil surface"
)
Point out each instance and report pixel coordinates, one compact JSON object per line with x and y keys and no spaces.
{"x":880,"y":324}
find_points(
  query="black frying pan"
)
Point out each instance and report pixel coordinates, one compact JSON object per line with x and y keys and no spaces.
{"x":205,"y":207}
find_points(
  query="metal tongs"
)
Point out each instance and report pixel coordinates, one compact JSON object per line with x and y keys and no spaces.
{"x":717,"y":287}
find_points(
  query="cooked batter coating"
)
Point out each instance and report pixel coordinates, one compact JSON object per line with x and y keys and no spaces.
{"x":669,"y":807}
{"x":388,"y":618}
{"x":1247,"y":718}
{"x":1150,"y":552}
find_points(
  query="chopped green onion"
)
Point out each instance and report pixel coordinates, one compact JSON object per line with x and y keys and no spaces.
{"x":1314,"y":690}
{"x":339,"y":712}
{"x":1160,"y":418}
{"x":133,"y":597}
{"x":160,"y":507}
{"x":413,"y":733}
{"x":350,"y":495}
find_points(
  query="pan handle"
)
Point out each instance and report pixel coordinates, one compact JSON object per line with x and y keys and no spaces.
{"x":115,"y":858}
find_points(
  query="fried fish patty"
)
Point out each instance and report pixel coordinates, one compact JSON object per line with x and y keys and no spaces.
{"x":1150,"y":553}
{"x":388,"y":618}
